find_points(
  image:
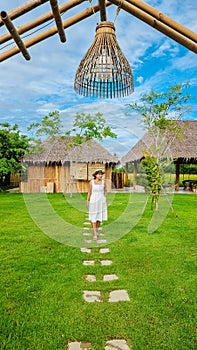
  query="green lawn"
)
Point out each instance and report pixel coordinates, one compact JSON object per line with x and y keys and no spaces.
{"x":169,"y":178}
{"x":42,"y":280}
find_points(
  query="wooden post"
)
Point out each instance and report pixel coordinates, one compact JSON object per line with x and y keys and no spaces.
{"x":11,"y":28}
{"x":135,"y":175}
{"x":177,"y":175}
{"x":40,"y":20}
{"x":87,"y":172}
{"x":164,"y":28}
{"x":102,"y":10}
{"x":126,"y":175}
{"x":21,"y":10}
{"x":52,"y":31}
{"x":163,"y":18}
{"x":58,"y":20}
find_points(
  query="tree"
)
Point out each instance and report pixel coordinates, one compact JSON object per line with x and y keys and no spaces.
{"x":153,"y":172}
{"x":50,"y":125}
{"x":85,"y":127}
{"x":13,"y":146}
{"x":159,"y":112}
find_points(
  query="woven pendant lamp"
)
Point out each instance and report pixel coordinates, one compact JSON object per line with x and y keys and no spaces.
{"x":104,"y":72}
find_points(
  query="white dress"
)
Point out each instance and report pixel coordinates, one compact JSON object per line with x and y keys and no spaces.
{"x":97,"y":205}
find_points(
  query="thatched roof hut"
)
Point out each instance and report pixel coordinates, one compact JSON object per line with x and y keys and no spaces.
{"x":61,"y":149}
{"x":182,"y":149}
{"x":66,"y":165}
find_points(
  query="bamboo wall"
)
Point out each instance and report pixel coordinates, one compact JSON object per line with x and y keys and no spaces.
{"x":15,"y":179}
{"x":40,"y":179}
{"x":69,"y":178}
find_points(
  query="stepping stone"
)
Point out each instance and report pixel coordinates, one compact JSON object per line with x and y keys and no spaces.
{"x":118,"y":295}
{"x":116,"y":344}
{"x":89,"y":262}
{"x":87,"y":223}
{"x":86,"y":250}
{"x":92,"y":296}
{"x":111,"y":277}
{"x":87,"y":234}
{"x":79,"y":346}
{"x":104,"y":250}
{"x":101,"y":241}
{"x":88,"y":241}
{"x":90,"y":278}
{"x":106,"y":262}
{"x":86,"y":228}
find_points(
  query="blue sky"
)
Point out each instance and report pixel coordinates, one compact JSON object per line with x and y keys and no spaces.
{"x":31,"y":89}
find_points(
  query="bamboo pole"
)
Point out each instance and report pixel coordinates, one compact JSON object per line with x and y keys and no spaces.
{"x":135,"y":175}
{"x":177,"y":175}
{"x":58,"y":20}
{"x":163,"y":28}
{"x":102,"y":6}
{"x":21,"y":10}
{"x":11,"y":28}
{"x":40,"y":20}
{"x":183,"y":36}
{"x":163,"y":18}
{"x":52,"y":31}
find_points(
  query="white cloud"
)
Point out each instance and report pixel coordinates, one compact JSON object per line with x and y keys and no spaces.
{"x":167,"y":48}
{"x":188,"y":61}
{"x":140,"y":79}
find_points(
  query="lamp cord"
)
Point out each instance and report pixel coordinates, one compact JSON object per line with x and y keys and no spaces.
{"x":94,"y":13}
{"x":118,"y":10}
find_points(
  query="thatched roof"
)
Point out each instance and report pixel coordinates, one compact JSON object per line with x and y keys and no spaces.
{"x":59,"y":150}
{"x":183,"y":148}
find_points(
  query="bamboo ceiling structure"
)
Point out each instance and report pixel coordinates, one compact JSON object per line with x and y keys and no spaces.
{"x":137,"y":8}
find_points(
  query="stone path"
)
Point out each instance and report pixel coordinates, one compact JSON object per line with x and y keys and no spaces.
{"x":113,"y":344}
{"x":92,"y":296}
{"x":96,"y":296}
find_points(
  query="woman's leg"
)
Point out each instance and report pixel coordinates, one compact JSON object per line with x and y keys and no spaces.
{"x":94,"y":225}
{"x":97,"y":225}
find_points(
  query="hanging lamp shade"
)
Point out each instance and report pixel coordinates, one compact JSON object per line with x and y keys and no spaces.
{"x":104,"y":72}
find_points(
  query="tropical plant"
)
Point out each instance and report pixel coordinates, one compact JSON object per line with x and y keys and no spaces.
{"x":13,"y":146}
{"x":159,"y":111}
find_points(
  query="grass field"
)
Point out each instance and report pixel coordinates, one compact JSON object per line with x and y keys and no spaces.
{"x":42,"y":281}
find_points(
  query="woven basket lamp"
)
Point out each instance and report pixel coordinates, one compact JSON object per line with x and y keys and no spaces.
{"x":104,"y":72}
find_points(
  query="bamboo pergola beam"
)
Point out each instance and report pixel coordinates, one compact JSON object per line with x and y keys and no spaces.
{"x":174,"y":34}
{"x":52,"y":31}
{"x":21,"y":10}
{"x":40,"y":20}
{"x":11,"y":28}
{"x":137,"y":8}
{"x":163,"y":18}
{"x":102,"y":6}
{"x":58,"y":20}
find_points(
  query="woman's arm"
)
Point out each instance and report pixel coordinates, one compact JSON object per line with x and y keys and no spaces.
{"x":105,"y":189}
{"x":89,"y":194}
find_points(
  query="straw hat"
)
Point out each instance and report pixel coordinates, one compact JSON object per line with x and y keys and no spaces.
{"x":99,"y":171}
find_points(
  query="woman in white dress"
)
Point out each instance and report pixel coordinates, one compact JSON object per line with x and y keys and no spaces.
{"x":96,"y":201}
